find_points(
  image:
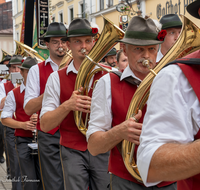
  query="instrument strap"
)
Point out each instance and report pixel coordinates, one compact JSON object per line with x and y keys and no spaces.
{"x":129,"y":79}
{"x":187,"y":61}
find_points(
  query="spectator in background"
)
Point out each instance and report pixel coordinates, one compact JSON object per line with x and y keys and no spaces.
{"x":110,"y":58}
{"x":172,"y":24}
{"x":122,"y":60}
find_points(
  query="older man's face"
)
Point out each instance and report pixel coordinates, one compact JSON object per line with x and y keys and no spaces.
{"x":137,"y":54}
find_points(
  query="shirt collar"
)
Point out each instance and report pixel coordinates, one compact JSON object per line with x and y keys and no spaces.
{"x":71,"y":68}
{"x":22,"y":87}
{"x":128,"y":72}
{"x":50,"y":61}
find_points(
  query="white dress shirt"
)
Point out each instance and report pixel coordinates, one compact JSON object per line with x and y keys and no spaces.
{"x":2,"y":90}
{"x":51,"y":99}
{"x":159,"y":56}
{"x":33,"y":81}
{"x":10,"y":103}
{"x":173,"y":115}
{"x":101,"y":114}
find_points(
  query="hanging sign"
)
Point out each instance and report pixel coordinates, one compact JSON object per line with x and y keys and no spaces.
{"x":124,"y":22}
{"x":43,"y":20}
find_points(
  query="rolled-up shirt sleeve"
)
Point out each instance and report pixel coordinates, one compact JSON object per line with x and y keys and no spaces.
{"x":51,"y":98}
{"x":100,"y":116}
{"x":172,"y":116}
{"x":10,"y":106}
{"x":32,"y":85}
{"x":2,"y":91}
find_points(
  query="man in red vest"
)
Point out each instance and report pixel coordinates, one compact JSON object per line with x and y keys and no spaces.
{"x":81,"y":169}
{"x":169,"y":146}
{"x":23,"y":126}
{"x":48,"y":143}
{"x":110,"y":102}
{"x":11,"y":158}
{"x":5,"y":61}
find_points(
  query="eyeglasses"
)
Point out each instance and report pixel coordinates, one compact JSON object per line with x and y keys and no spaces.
{"x":58,"y":43}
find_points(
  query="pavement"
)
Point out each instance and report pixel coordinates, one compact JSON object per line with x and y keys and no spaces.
{"x":5,"y":184}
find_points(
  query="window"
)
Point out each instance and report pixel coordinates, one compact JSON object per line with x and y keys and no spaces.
{"x":110,"y":3}
{"x":53,"y":19}
{"x":71,"y":12}
{"x":17,"y":6}
{"x":60,"y":17}
{"x":81,"y":7}
{"x":101,"y":4}
{"x":17,"y":36}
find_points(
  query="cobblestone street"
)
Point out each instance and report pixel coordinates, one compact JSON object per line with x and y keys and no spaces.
{"x":4,"y":183}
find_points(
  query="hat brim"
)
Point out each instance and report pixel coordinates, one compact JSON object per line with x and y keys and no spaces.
{"x":78,"y":35}
{"x":193,"y":9}
{"x":22,"y":67}
{"x":51,"y":36}
{"x":172,"y":26}
{"x":139,"y":42}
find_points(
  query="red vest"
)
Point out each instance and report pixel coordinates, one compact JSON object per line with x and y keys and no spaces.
{"x":192,"y":73}
{"x":44,"y":72}
{"x":70,"y":136}
{"x":8,"y":86}
{"x":122,"y":93}
{"x":20,"y":113}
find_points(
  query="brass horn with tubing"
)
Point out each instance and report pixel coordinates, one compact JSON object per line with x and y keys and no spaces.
{"x":110,"y":34}
{"x":188,"y":42}
{"x":66,"y":59}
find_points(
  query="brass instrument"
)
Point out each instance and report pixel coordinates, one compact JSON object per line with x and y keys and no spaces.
{"x":188,"y":42}
{"x":4,"y":53}
{"x":34,"y":56}
{"x":66,"y":59}
{"x":110,"y":34}
{"x":25,"y":51}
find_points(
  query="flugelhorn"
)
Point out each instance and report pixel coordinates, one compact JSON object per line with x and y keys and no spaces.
{"x":188,"y":42}
{"x":110,"y":34}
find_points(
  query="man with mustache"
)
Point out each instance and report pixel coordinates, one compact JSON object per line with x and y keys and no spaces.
{"x":81,"y":169}
{"x":48,"y":143}
{"x":110,"y":102}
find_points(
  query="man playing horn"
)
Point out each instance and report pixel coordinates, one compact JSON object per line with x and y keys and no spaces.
{"x":81,"y":169}
{"x":111,"y":99}
{"x":23,"y":125}
{"x":170,"y":148}
{"x":172,"y":24}
{"x":48,"y":143}
{"x":5,"y":87}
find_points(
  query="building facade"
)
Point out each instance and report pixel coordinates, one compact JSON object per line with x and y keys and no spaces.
{"x":6,"y":28}
{"x":66,"y":10}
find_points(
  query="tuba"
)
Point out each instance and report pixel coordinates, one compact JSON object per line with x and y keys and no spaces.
{"x":110,"y":34}
{"x":188,"y":42}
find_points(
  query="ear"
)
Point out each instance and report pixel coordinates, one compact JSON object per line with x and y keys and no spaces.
{"x":68,"y":45}
{"x":125,"y":49}
{"x":47,"y":44}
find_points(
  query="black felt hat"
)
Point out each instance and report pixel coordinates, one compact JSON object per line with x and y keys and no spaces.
{"x":6,"y":58}
{"x":28,"y":63}
{"x":193,"y":8}
{"x":55,"y":29}
{"x":80,"y":27}
{"x":141,"y":32}
{"x":170,"y":21}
